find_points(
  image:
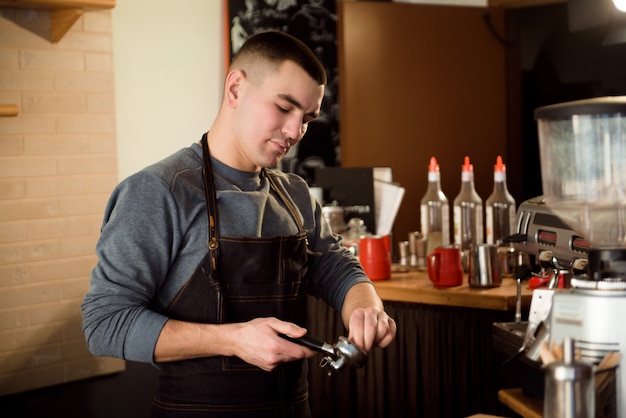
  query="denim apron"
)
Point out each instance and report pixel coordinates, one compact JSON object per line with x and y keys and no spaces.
{"x":239,"y":279}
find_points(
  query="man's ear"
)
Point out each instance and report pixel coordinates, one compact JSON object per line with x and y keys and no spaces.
{"x":232,"y":86}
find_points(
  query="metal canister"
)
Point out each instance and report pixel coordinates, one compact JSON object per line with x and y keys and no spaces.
{"x":569,"y":387}
{"x":404,"y":253}
{"x":511,"y":260}
{"x":417,"y":249}
{"x":334,"y":215}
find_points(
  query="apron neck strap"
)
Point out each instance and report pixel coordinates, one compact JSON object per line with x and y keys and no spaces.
{"x":211,"y":204}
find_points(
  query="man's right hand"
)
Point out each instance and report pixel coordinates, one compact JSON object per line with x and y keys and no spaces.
{"x":256,"y":342}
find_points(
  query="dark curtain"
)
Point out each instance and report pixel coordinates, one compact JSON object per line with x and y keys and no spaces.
{"x":442,"y":364}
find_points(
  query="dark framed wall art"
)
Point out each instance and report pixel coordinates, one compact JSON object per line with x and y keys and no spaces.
{"x":314,"y":22}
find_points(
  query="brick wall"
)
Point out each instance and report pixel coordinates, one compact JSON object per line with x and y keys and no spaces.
{"x":57,"y":168}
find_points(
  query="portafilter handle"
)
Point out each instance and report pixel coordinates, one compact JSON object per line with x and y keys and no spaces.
{"x":311,"y":343}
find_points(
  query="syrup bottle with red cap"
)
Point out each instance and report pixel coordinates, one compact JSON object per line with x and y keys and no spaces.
{"x":499,"y":207}
{"x":435,"y":210}
{"x":468,"y":211}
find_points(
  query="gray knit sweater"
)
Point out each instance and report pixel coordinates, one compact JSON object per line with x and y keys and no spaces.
{"x":154,"y":234}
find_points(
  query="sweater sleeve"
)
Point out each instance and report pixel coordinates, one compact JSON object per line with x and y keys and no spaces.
{"x":333,"y":268}
{"x":134,"y":251}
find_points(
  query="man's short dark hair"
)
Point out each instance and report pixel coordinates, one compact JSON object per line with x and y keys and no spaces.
{"x":277,"y":47}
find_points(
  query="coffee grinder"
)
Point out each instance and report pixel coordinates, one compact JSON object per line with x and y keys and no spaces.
{"x":583,"y":165}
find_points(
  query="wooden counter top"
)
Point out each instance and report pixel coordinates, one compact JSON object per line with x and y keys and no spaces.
{"x":415,"y":287}
{"x":524,"y":405}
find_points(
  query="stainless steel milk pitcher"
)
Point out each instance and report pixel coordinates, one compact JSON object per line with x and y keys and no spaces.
{"x":484,"y":266}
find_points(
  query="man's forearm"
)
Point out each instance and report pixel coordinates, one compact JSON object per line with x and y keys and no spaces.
{"x":367,"y":322}
{"x":186,"y":340}
{"x":361,"y":295}
{"x":256,"y":342}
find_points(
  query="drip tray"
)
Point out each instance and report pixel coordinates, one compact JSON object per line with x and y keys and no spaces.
{"x":521,"y":371}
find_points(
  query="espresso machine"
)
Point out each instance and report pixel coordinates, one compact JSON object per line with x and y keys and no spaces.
{"x":581,"y":218}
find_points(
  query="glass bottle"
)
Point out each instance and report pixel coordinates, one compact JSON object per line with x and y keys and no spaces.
{"x":434,"y":211}
{"x":499,"y":207}
{"x":468,"y":210}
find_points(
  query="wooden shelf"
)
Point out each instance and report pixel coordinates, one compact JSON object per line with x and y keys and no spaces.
{"x":9,"y":110}
{"x":59,"y":4}
{"x":524,"y":405}
{"x":63,"y":13}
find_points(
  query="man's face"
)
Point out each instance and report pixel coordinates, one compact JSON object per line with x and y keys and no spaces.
{"x":272,"y":115}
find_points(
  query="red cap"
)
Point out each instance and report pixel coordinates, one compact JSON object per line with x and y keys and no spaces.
{"x":499,"y":167}
{"x":433,"y":167}
{"x":467,"y":167}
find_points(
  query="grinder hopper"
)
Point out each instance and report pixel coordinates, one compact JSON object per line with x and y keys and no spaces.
{"x":583,"y":167}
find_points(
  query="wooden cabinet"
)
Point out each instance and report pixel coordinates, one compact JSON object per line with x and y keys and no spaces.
{"x":523,"y":3}
{"x":420,"y":81}
{"x":63,"y":13}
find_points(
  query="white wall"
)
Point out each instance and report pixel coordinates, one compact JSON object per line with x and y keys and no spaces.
{"x":169,"y":67}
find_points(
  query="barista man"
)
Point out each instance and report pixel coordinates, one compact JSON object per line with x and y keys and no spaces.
{"x":207,"y":256}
